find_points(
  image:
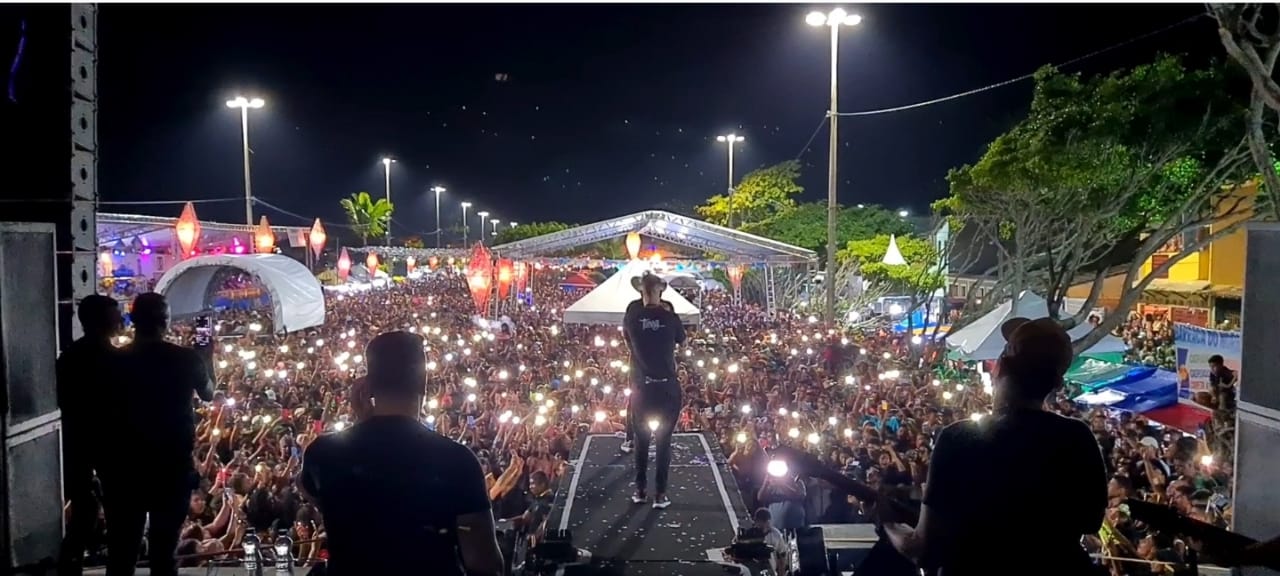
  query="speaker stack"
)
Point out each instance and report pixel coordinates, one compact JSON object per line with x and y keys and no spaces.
{"x":48,"y":252}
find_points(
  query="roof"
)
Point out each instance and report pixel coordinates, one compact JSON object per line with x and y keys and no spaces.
{"x":297,"y":300}
{"x":667,"y":226}
{"x":157,"y":231}
{"x":607,"y":303}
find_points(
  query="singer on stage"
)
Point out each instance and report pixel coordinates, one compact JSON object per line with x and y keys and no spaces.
{"x":652,"y":331}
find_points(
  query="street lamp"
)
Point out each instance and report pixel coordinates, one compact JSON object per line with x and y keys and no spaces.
{"x":465,"y":205}
{"x":495,"y":224}
{"x":512,"y":224}
{"x":483,"y":216}
{"x":439,"y":231}
{"x":903,"y":213}
{"x":834,"y":19}
{"x":730,"y":139}
{"x":244,"y":104}
{"x":386,"y":168}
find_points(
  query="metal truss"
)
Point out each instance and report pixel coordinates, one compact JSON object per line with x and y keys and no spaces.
{"x":674,"y":228}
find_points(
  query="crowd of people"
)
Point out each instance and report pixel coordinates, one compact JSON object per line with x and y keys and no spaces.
{"x":519,"y":393}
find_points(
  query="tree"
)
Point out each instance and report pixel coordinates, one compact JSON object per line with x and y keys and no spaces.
{"x":759,"y":195}
{"x":920,"y":277}
{"x":530,"y":230}
{"x":1251,"y":36}
{"x":1105,"y":172}
{"x":414,"y":242}
{"x":368,"y":218}
{"x":806,"y":225}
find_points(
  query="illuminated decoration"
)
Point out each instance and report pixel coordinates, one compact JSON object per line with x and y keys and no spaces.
{"x":317,"y":238}
{"x":106,"y":265}
{"x":236,"y":246}
{"x":409,"y":263}
{"x":344,"y":265}
{"x":633,"y":245}
{"x":734,"y":272}
{"x":433,"y":261}
{"x":505,"y":276}
{"x":188,"y":230}
{"x":522,"y":276}
{"x":480,"y":277}
{"x":371,"y":262}
{"x":264,"y":240}
{"x":655,"y":257}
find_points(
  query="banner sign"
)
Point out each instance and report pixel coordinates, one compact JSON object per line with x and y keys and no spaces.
{"x":1194,"y":346}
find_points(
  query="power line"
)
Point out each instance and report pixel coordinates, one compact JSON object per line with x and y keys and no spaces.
{"x":165,"y":202}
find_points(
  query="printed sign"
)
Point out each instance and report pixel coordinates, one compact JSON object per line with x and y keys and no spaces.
{"x":1194,"y":347}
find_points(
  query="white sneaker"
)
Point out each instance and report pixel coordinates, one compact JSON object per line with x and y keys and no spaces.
{"x":627,"y":447}
{"x":661,"y":502}
{"x":637,"y":498}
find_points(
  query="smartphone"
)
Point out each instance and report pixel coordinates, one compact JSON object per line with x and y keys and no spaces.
{"x":471,"y":421}
{"x":203,"y":338}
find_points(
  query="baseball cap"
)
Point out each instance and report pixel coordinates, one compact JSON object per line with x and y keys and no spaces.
{"x":1041,"y":343}
{"x":646,"y":281}
{"x":1149,"y":441}
{"x":396,"y":364}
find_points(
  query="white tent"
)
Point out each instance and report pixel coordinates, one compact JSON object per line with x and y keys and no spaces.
{"x":982,"y":339}
{"x":607,"y":303}
{"x":893,"y":256}
{"x":297,"y":300}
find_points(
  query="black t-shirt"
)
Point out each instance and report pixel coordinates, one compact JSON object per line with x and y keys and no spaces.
{"x":85,"y":384}
{"x":390,"y":492}
{"x":1031,"y":481}
{"x":159,"y":383}
{"x":652,"y":334}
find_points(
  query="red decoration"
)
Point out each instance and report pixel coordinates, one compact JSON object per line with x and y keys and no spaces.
{"x":409,"y":263}
{"x":480,"y":277}
{"x":505,"y":276}
{"x":633,"y":245}
{"x":371,"y":262}
{"x":188,"y":230}
{"x":317,"y":238}
{"x":264,"y":240}
{"x":344,"y":265}
{"x":735,"y":276}
{"x":522,"y":276}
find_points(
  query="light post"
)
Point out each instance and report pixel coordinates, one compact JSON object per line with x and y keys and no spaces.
{"x":513,"y":224}
{"x":730,"y":139}
{"x":386,"y":168}
{"x":834,"y":20}
{"x":244,"y":104}
{"x":483,"y":216}
{"x":465,"y":205}
{"x":903,"y":213}
{"x":439,"y":231}
{"x":495,"y":224}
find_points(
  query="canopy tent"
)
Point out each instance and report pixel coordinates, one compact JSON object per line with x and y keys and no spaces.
{"x":1183,"y":415}
{"x":1157,"y":390}
{"x":297,"y":300}
{"x":1089,"y":374}
{"x":982,"y":340}
{"x":578,"y":280}
{"x":607,"y":303}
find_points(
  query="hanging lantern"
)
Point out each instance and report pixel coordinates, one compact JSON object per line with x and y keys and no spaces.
{"x":371,"y":262}
{"x":317,"y":238}
{"x":505,"y":276}
{"x":264,"y":240}
{"x":409,"y":264}
{"x":432,"y":262}
{"x":479,"y":277}
{"x":633,"y":245}
{"x":522,"y":276}
{"x":344,"y":265}
{"x":188,"y":230}
{"x":236,"y":246}
{"x":735,"y":272}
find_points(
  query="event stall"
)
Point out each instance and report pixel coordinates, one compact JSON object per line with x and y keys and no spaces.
{"x":982,"y":340}
{"x":297,"y":300}
{"x":607,"y":303}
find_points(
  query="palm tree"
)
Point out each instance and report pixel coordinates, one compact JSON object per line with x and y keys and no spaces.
{"x":368,"y":218}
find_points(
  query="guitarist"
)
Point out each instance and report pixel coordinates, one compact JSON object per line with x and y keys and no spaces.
{"x":1015,"y":492}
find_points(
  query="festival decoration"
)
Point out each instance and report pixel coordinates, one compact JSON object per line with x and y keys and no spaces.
{"x":106,"y":265}
{"x":317,"y":238}
{"x":344,"y":265}
{"x":409,"y":263}
{"x":371,"y":262}
{"x":236,"y":246}
{"x":480,"y":277}
{"x":188,"y":230}
{"x":633,"y":245}
{"x":264,"y":240}
{"x":522,"y":276}
{"x":505,"y":276}
{"x":734,"y":272}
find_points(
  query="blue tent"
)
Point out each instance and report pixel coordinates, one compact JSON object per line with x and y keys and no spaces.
{"x":1157,"y":390}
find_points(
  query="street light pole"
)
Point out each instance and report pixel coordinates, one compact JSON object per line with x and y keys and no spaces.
{"x":244,"y":104}
{"x":731,"y":139}
{"x":834,"y":19}
{"x":465,"y":205}
{"x":439,"y":231}
{"x":495,"y":224}
{"x":483,"y":216}
{"x":386,"y":168}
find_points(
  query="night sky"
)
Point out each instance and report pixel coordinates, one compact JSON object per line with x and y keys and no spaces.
{"x":570,"y":112}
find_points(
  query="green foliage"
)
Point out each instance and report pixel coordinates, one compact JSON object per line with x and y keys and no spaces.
{"x":919,"y":277}
{"x":530,"y":230}
{"x":759,"y":195}
{"x":806,"y":225}
{"x":368,"y":218}
{"x":414,"y":242}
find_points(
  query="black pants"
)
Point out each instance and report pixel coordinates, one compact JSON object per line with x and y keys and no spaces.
{"x":78,"y":479}
{"x":658,"y":401}
{"x":163,"y":497}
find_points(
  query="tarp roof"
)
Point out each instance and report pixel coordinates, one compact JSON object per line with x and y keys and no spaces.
{"x":607,"y":303}
{"x":157,"y":231}
{"x":667,"y":226}
{"x":982,"y":340}
{"x":296,"y":297}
